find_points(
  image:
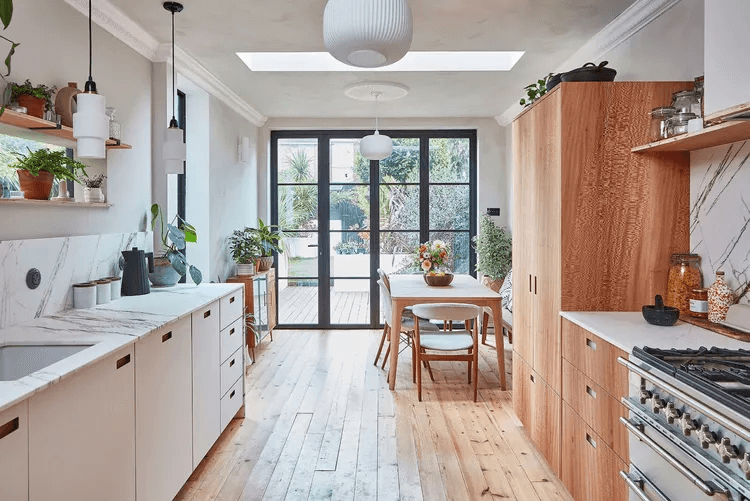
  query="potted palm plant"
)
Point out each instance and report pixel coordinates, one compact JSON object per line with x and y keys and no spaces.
{"x":38,"y":170}
{"x":269,"y":241}
{"x":171,"y":265}
{"x":245,"y":249}
{"x":494,"y":252}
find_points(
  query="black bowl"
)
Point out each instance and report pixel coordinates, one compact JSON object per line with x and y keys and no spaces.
{"x":661,"y":317}
{"x":590,"y":72}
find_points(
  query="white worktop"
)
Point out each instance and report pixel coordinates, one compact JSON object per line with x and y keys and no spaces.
{"x":108,"y":327}
{"x":627,"y":330}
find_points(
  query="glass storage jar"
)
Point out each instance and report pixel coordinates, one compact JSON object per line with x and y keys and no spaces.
{"x":684,"y":277}
{"x":115,"y":129}
{"x":659,"y":117}
{"x":699,"y":303}
{"x":678,"y":124}
{"x":686,"y":101}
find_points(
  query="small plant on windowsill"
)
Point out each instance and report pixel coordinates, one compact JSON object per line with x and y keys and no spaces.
{"x":171,"y":265}
{"x":92,"y":191}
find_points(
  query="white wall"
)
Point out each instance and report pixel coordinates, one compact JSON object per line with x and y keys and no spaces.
{"x":492,"y":190}
{"x":54,"y":51}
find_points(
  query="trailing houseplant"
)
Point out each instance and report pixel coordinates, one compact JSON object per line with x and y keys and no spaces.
{"x":269,"y":241}
{"x":171,"y":265}
{"x":534,"y":91}
{"x":92,"y":191}
{"x":36,"y":100}
{"x":6,"y":13}
{"x":39,"y":169}
{"x":245,"y":248}
{"x":494,"y":252}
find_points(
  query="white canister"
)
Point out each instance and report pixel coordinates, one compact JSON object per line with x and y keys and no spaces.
{"x":84,"y":295}
{"x":103,"y":291}
{"x":116,"y":289}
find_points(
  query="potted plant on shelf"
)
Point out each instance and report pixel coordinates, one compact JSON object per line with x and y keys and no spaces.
{"x":92,"y":191}
{"x":269,"y":241}
{"x":245,"y":249}
{"x":494,"y":252}
{"x":36,"y":100}
{"x":171,"y":265}
{"x":38,"y":170}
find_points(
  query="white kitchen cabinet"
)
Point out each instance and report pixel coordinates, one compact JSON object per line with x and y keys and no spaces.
{"x":206,"y":380}
{"x":82,"y":434}
{"x":14,"y":453}
{"x":163,"y":411}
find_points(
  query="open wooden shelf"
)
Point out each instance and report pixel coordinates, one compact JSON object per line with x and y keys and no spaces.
{"x":53,"y":203}
{"x":24,"y":121}
{"x":717,"y":135}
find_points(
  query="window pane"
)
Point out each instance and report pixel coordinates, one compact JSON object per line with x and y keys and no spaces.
{"x":347,"y":165}
{"x":459,"y":249}
{"x":403,"y":164}
{"x":298,"y":301}
{"x":350,"y":207}
{"x":10,"y":146}
{"x":298,"y":161}
{"x":449,"y":207}
{"x":298,"y":207}
{"x":350,"y":301}
{"x":449,"y":160}
{"x":350,"y":254}
{"x":397,"y":251}
{"x":399,"y":207}
{"x":300,"y":256}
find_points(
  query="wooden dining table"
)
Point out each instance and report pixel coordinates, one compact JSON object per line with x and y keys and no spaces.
{"x":408,"y":290}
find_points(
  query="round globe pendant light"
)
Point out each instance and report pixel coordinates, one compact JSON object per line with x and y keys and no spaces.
{"x":367,"y":33}
{"x":174,"y":151}
{"x":376,"y":146}
{"x":90,"y":123}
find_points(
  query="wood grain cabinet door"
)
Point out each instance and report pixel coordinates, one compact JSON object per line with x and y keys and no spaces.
{"x":523,"y":404}
{"x":545,"y":427}
{"x":14,"y":453}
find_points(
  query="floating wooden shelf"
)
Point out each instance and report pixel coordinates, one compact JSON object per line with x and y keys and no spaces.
{"x":717,"y":135}
{"x":53,"y":203}
{"x":24,"y":121}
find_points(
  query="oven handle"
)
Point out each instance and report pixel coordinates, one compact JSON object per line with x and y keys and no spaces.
{"x":690,"y":401}
{"x":638,"y":484}
{"x":637,"y":430}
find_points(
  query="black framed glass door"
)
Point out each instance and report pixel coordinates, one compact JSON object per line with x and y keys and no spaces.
{"x":344,"y":217}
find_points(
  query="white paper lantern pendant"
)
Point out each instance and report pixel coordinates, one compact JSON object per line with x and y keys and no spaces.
{"x":367,"y":33}
{"x":174,"y":150}
{"x":376,"y":146}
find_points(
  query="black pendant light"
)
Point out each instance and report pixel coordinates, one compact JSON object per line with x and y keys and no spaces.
{"x":174,"y":152}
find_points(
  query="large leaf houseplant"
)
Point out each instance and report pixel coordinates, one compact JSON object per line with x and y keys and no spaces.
{"x":38,"y":170}
{"x":245,"y":248}
{"x":172,"y":264}
{"x":269,"y":241}
{"x":494,"y":252}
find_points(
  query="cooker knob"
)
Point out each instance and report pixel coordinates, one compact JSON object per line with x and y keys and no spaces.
{"x":726,"y":450}
{"x":745,"y":465}
{"x":671,"y":413}
{"x":687,"y":424}
{"x":645,"y":395}
{"x":657,"y":404}
{"x":706,"y":436}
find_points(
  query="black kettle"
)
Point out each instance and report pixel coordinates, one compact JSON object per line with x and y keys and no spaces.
{"x":135,"y":273}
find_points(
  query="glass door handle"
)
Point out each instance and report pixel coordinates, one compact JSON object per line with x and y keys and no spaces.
{"x":312,"y":245}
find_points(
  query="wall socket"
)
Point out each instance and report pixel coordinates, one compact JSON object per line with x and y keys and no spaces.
{"x":493,"y":211}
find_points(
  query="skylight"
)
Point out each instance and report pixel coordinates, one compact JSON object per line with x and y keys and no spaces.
{"x":413,"y":61}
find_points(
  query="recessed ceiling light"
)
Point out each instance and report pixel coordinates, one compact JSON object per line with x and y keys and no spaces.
{"x":413,"y":61}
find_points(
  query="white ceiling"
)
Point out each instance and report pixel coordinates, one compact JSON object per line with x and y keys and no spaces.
{"x":213,"y":31}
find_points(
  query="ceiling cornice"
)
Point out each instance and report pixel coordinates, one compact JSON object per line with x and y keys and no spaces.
{"x":624,"y":26}
{"x":119,"y":25}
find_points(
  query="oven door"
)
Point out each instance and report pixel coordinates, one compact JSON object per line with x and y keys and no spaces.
{"x":662,"y":471}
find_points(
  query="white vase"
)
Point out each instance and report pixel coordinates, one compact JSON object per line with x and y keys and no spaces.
{"x":245,"y":269}
{"x":93,"y":195}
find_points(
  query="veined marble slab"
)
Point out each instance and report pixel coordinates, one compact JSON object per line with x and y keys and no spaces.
{"x":62,"y":262}
{"x":720,"y":212}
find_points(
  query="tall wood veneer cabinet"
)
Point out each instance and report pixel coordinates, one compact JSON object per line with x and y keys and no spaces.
{"x":260,"y":301}
{"x":594,"y":227}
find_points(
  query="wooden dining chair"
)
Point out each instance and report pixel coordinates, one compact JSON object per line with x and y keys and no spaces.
{"x":447,"y":345}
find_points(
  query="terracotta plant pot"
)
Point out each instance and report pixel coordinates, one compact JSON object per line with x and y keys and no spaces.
{"x":492,"y":284}
{"x":264,"y":263}
{"x":35,"y":188}
{"x":34,"y":105}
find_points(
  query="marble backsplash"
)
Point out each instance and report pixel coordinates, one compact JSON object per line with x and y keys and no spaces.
{"x":720,"y":213}
{"x":62,"y":262}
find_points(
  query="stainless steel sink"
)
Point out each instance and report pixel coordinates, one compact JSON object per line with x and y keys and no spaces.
{"x":17,"y":361}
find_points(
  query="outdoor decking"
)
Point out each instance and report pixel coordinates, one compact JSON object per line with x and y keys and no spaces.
{"x":299,"y":305}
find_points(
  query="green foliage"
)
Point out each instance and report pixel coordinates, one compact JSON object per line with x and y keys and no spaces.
{"x":92,"y":182}
{"x":174,"y":240}
{"x":10,"y":146}
{"x":268,"y":237}
{"x":6,"y":14}
{"x":41,"y":91}
{"x":244,"y":246}
{"x":298,"y":205}
{"x":535,"y":91}
{"x":54,"y":162}
{"x":494,"y":249}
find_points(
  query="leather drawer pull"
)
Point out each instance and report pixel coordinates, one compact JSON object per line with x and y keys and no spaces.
{"x":231,"y":395}
{"x":591,"y":441}
{"x":231,"y":300}
{"x":590,"y":391}
{"x":529,"y":283}
{"x":123,"y":361}
{"x":231,"y":363}
{"x":231,"y":331}
{"x":591,"y":344}
{"x":207,"y":314}
{"x":166,"y":337}
{"x":9,"y":428}
{"x":534,"y":284}
{"x":533,"y":379}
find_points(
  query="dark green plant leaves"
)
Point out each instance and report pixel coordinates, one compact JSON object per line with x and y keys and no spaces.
{"x":6,"y":12}
{"x":176,"y":236}
{"x":179,"y":263}
{"x":196,"y":275}
{"x":10,"y":55}
{"x":54,"y":162}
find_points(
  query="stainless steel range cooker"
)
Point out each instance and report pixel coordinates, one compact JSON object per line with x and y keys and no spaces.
{"x":689,"y":424}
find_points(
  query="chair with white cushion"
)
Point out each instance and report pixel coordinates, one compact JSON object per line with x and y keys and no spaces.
{"x":456,"y":345}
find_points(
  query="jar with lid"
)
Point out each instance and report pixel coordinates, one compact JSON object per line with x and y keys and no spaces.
{"x":686,"y":101}
{"x":678,"y":124}
{"x":115,"y":129}
{"x":698,"y":89}
{"x":659,"y":117}
{"x":699,"y":303}
{"x":684,"y":277}
{"x":720,"y":298}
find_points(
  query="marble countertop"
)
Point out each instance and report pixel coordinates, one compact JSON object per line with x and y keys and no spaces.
{"x":627,"y":330}
{"x":107,"y":327}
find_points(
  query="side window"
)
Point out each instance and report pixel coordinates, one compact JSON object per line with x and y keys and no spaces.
{"x":11,"y":148}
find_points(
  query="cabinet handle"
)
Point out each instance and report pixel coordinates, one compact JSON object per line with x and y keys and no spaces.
{"x":8,"y":428}
{"x":231,"y":363}
{"x":591,"y":441}
{"x":123,"y":361}
{"x":166,"y":337}
{"x":591,"y":344}
{"x":533,"y":379}
{"x":207,"y":314}
{"x":231,"y":395}
{"x":529,"y":283}
{"x":231,"y":300}
{"x":590,"y":391}
{"x":231,"y":331}
{"x":534,"y":284}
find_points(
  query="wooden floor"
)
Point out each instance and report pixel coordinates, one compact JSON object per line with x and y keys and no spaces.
{"x":321,"y":424}
{"x":299,"y":305}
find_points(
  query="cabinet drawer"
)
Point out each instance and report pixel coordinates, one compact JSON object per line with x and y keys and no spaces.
{"x":231,"y":308}
{"x":596,"y":407}
{"x":231,"y":371}
{"x":596,"y":358}
{"x":14,"y":452}
{"x":231,"y":339}
{"x":591,"y":469}
{"x":231,"y":403}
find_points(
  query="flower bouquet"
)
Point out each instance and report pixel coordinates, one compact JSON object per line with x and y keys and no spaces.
{"x":432,"y":258}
